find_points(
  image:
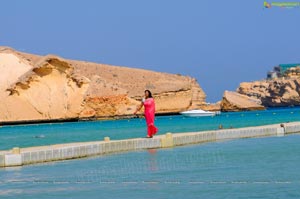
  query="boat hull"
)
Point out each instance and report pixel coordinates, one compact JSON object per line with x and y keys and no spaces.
{"x":198,"y":113}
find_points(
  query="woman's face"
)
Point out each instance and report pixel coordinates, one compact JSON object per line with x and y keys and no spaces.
{"x":146,"y":94}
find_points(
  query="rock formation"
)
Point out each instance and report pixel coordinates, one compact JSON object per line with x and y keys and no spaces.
{"x":273,"y":93}
{"x":34,"y":88}
{"x":280,"y":89}
{"x":211,"y":107}
{"x":233,"y":101}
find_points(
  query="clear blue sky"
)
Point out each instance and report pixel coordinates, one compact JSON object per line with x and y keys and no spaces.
{"x":220,"y":43}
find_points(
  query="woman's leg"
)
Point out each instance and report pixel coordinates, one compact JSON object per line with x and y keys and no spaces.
{"x":152,"y":130}
{"x":150,"y":124}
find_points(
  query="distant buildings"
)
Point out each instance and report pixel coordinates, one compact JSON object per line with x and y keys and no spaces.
{"x":284,"y":70}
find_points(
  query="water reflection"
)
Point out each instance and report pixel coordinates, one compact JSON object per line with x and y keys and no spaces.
{"x":152,"y":159}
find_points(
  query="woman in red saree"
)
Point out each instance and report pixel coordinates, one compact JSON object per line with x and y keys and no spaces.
{"x":149,"y":106}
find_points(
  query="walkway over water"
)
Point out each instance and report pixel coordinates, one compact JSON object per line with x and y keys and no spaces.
{"x":87,"y":131}
{"x":22,"y":156}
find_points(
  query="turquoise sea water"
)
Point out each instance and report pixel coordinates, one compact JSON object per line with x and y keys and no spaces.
{"x":44,"y":134}
{"x":265,"y":168}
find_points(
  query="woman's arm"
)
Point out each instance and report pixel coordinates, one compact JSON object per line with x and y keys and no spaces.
{"x":138,"y":108}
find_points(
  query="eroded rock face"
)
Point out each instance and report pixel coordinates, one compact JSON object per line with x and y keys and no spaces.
{"x":48,"y":90}
{"x":233,"y":101}
{"x":49,"y":87}
{"x":273,"y":93}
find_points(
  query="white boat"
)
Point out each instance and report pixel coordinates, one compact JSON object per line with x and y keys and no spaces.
{"x":198,"y":113}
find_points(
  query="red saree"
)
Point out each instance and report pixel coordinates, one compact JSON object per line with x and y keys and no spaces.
{"x":149,"y":116}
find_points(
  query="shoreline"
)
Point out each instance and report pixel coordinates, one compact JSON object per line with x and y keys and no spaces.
{"x":116,"y":117}
{"x":103,"y":118}
{"x":60,"y":152}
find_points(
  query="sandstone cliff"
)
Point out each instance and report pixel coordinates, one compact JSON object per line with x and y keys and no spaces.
{"x":273,"y":93}
{"x":34,"y":88}
{"x":233,"y":101}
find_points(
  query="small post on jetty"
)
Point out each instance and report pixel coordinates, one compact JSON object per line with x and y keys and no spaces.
{"x":15,"y":150}
{"x":167,"y":141}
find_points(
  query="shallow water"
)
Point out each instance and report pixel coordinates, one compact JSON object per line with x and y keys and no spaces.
{"x":45,"y":134}
{"x":246,"y":168}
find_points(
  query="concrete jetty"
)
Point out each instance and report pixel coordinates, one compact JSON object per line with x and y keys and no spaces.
{"x":32,"y":155}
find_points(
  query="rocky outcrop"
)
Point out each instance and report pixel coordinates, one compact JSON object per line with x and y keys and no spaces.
{"x":34,"y":88}
{"x":233,"y":101}
{"x":48,"y":90}
{"x":273,"y":93}
{"x":211,"y":107}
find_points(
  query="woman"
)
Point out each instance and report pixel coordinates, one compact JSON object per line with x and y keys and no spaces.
{"x":149,"y":106}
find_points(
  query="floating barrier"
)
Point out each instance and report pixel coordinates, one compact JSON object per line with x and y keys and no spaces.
{"x":32,"y":155}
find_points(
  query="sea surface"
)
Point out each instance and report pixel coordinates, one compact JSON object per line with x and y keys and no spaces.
{"x":54,"y":133}
{"x":265,"y":168}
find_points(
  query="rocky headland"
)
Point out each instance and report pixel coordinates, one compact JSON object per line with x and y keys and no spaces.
{"x":273,"y":93}
{"x":38,"y":88}
{"x":281,"y":88}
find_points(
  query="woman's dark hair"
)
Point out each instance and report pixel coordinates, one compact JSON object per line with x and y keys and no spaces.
{"x":149,"y":92}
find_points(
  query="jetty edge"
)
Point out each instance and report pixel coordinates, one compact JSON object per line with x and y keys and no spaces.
{"x":58,"y":152}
